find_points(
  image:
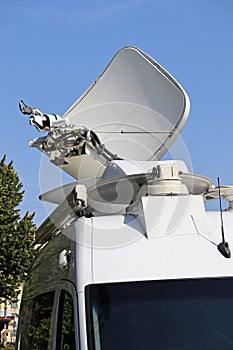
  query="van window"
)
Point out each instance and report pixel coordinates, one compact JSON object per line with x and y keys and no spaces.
{"x":170,"y":314}
{"x":66,"y":328}
{"x":35,"y":322}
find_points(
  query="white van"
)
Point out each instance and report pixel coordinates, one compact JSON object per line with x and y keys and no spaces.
{"x":130,"y":258}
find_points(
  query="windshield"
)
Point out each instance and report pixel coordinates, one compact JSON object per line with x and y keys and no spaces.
{"x":172,"y":315}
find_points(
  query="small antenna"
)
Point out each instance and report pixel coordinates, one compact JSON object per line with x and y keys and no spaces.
{"x":223,"y":247}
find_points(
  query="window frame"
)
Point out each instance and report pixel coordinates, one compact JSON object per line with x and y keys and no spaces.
{"x":62,"y":285}
{"x":26,"y":301}
{"x":69,"y":287}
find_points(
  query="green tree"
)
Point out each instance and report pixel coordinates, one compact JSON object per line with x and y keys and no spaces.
{"x":16,"y":233}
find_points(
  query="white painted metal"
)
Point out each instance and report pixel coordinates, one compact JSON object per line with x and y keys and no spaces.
{"x":129,"y":255}
{"x":137,"y":219}
{"x":135,"y":107}
{"x":120,"y":171}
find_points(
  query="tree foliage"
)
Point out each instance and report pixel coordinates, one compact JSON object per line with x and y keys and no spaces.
{"x":16,"y":233}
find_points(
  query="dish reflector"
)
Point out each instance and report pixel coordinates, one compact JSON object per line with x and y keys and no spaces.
{"x":135,"y":107}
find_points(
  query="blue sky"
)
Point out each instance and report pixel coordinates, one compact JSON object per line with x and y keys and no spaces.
{"x":50,"y":51}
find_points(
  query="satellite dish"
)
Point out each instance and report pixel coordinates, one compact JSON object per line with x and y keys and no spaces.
{"x":134,"y":110}
{"x":135,"y":107}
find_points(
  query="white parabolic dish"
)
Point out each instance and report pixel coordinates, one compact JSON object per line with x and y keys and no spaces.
{"x":135,"y":107}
